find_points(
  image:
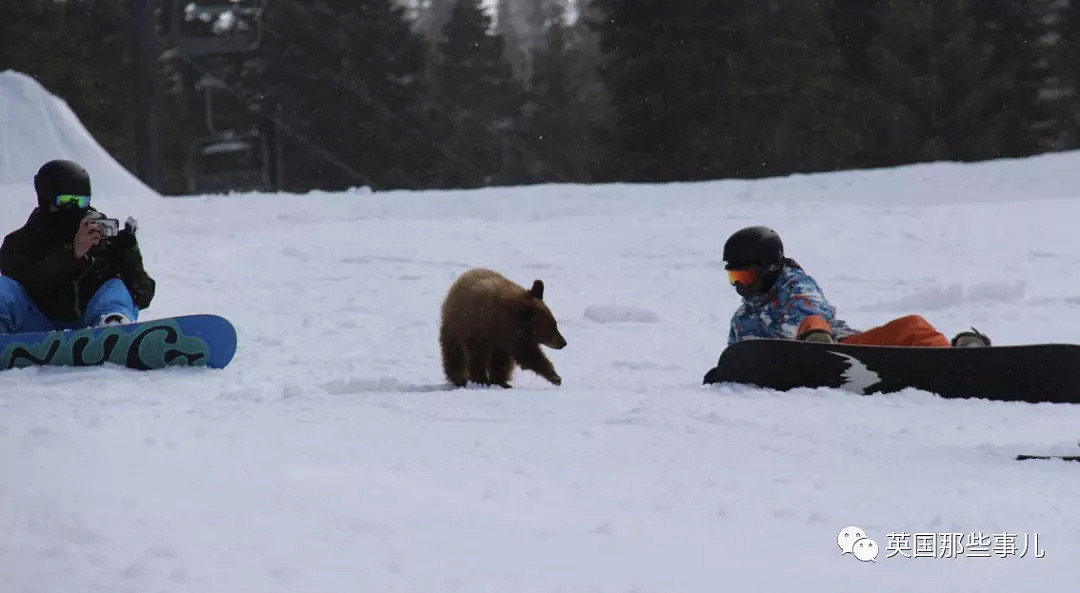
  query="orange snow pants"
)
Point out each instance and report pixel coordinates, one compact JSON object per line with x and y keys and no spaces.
{"x":909,"y":330}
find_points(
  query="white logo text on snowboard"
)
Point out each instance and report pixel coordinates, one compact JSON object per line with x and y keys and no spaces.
{"x":857,"y":376}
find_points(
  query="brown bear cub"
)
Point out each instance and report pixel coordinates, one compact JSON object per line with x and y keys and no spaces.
{"x":489,"y":324}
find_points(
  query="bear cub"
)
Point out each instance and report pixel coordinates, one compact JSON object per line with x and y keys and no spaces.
{"x":489,"y":324}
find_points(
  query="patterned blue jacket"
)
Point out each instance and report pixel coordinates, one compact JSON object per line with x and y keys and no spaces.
{"x":778,"y":313}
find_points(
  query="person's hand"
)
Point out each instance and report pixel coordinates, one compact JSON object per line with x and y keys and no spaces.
{"x":88,"y":236}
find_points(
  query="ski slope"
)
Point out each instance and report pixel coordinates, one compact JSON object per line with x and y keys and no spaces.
{"x":331,"y":457}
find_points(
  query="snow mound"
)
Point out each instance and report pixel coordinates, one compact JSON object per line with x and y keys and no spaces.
{"x":37,"y":126}
{"x":940,"y":297}
{"x":619,"y":314}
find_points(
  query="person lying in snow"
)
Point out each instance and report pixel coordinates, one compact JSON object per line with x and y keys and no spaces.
{"x":780,"y":300}
{"x":59,"y":272}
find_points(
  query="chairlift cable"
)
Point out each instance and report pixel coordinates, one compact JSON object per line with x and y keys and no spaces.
{"x":326,"y":154}
{"x":370,"y":100}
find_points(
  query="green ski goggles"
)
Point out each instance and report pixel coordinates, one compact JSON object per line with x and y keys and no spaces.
{"x":63,"y":200}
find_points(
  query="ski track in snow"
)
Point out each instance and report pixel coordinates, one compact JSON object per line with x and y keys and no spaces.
{"x":330,"y":456}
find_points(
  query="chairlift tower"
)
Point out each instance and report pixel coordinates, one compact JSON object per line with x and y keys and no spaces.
{"x":211,"y":35}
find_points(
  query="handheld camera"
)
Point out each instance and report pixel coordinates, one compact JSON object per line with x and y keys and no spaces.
{"x":108,"y":227}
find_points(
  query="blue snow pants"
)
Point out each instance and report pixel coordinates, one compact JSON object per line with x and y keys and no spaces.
{"x":18,"y":313}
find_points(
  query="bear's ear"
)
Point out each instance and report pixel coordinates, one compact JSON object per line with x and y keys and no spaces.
{"x":537,"y":290}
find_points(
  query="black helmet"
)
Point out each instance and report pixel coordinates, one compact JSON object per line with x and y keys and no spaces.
{"x":753,"y":246}
{"x":60,"y":177}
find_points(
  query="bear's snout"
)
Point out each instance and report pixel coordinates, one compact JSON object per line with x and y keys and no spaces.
{"x":558,"y":342}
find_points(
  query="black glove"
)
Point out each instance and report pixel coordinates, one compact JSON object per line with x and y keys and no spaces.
{"x":123,"y":242}
{"x":128,"y":260}
{"x":125,"y":247}
{"x":125,"y":238}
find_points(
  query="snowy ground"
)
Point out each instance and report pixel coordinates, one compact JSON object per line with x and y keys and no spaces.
{"x":329,"y":456}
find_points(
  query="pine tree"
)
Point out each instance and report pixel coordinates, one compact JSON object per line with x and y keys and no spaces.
{"x":1009,"y":117}
{"x":789,"y":79}
{"x":105,"y":52}
{"x":431,"y":17}
{"x":389,"y":61}
{"x":478,"y":91}
{"x":523,"y":25}
{"x":515,"y":43}
{"x":35,"y":40}
{"x":956,"y":80}
{"x":344,"y":79}
{"x":554,"y":124}
{"x":1052,"y":74}
{"x":593,"y":100}
{"x":665,"y":68}
{"x":1063,"y":90}
{"x":704,"y":90}
{"x":80,"y":52}
{"x":856,"y":27}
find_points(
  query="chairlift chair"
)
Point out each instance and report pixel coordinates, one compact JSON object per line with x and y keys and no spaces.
{"x":227,"y":161}
{"x":213,"y":27}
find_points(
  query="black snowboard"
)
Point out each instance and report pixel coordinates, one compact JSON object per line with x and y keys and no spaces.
{"x":1030,"y":373}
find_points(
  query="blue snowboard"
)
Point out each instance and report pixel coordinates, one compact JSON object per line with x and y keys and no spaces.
{"x":186,"y":340}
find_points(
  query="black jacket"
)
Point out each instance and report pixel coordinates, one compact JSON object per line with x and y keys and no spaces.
{"x":39,"y":256}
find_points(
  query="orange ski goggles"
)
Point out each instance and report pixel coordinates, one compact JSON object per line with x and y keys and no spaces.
{"x":746,"y":276}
